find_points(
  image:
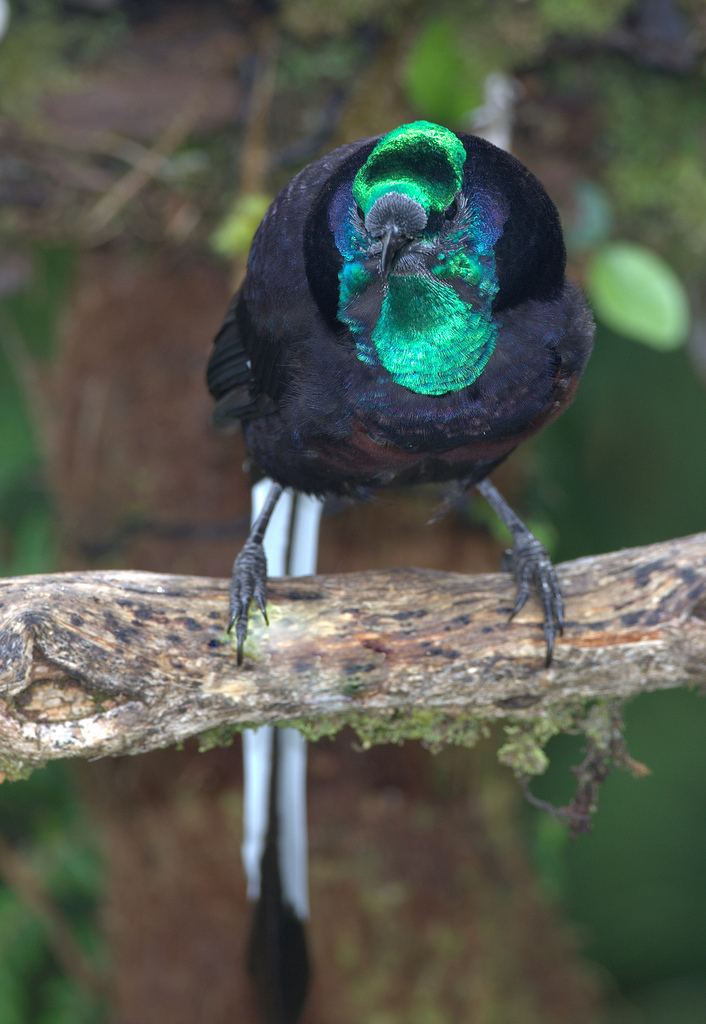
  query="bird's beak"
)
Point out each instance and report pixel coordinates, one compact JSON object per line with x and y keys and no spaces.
{"x":392,"y":242}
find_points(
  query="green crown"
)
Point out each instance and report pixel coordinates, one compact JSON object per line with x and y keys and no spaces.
{"x":422,"y":160}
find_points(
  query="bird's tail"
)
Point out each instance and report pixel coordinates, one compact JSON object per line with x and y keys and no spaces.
{"x":275,"y":832}
{"x":275,"y":765}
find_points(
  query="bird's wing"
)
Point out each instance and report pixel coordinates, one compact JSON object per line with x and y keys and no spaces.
{"x":237,"y":389}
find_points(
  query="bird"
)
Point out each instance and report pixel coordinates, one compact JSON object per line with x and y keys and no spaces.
{"x":405,"y":318}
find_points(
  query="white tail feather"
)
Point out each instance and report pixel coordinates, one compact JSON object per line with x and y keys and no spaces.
{"x":257,"y":772}
{"x":293,"y":840}
{"x":258,"y":743}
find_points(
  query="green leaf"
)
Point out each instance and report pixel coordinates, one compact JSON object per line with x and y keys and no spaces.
{"x":637,"y":294}
{"x":443,"y":80}
{"x":234,"y":234}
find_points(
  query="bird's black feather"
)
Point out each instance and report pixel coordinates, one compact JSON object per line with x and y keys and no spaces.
{"x":330,"y":423}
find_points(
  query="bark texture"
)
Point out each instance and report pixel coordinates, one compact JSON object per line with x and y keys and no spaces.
{"x":102,"y":663}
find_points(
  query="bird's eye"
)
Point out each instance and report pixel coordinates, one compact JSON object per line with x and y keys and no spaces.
{"x":451,"y":210}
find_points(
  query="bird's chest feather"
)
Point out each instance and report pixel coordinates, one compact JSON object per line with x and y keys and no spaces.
{"x":361,"y":428}
{"x":344,"y":425}
{"x":429,"y":323}
{"x":377,"y":460}
{"x":429,"y":334}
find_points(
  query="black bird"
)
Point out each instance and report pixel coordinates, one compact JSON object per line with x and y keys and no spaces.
{"x":404,"y":319}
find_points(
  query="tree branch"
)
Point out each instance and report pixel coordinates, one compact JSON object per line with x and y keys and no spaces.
{"x":100,"y":663}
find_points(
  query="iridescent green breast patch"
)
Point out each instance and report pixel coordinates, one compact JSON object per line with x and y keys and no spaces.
{"x":428,"y":339}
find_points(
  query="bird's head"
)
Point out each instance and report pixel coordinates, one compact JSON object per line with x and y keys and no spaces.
{"x":405,"y":193}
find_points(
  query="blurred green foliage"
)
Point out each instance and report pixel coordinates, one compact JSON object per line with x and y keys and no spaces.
{"x":636,"y":293}
{"x":624,"y":466}
{"x":42,"y":51}
{"x":28,"y":326}
{"x":44,"y":818}
{"x":649,"y":149}
{"x":634,"y":883}
{"x":234,"y":234}
{"x":443,"y":79}
{"x":592,"y":219}
{"x":454,"y":50}
{"x":579,"y":17}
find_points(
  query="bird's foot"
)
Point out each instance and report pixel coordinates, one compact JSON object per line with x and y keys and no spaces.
{"x":532,"y":568}
{"x":248,"y":582}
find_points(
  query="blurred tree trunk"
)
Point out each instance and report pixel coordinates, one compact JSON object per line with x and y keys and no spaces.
{"x":422,"y":895}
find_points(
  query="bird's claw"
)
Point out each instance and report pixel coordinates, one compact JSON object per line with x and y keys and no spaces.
{"x":248,"y":582}
{"x":532,"y":568}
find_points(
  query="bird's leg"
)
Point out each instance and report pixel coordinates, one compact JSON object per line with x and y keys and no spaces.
{"x":249,"y":577}
{"x":531,"y":567}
